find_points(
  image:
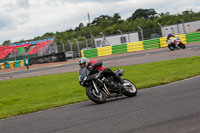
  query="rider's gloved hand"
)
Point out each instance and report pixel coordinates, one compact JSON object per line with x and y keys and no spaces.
{"x":91,"y":67}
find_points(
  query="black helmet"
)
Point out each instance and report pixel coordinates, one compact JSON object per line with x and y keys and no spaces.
{"x":84,"y":62}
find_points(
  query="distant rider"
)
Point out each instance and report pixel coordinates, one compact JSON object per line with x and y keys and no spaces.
{"x":169,"y":36}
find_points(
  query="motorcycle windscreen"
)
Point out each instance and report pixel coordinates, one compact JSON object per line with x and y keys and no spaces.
{"x":83,"y":72}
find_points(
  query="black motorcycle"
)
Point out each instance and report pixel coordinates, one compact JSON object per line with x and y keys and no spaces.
{"x":100,"y":87}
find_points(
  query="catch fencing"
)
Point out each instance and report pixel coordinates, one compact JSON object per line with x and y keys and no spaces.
{"x":149,"y":38}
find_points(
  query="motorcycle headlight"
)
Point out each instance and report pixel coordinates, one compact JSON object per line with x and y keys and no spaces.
{"x":85,"y":78}
{"x":82,"y":80}
{"x":80,"y":77}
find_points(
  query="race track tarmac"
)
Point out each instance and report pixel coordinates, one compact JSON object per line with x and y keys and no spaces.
{"x":170,"y":108}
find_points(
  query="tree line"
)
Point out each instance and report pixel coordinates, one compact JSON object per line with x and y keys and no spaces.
{"x":145,"y":18}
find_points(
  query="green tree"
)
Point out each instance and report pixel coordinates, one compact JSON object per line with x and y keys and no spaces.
{"x":146,"y":18}
{"x":116,"y":18}
{"x":143,"y":13}
{"x":7,"y":42}
{"x":48,"y":35}
{"x":81,"y":25}
{"x":100,"y":19}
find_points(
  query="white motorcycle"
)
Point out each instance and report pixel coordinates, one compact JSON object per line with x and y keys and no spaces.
{"x":175,"y":43}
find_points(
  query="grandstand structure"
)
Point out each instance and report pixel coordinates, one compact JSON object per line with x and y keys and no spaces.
{"x":5,"y":51}
{"x":28,"y":49}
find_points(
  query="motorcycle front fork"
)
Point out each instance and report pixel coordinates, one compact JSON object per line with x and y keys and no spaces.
{"x":95,"y":87}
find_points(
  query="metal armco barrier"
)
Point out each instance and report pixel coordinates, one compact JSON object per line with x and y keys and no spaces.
{"x":104,"y":51}
{"x":118,"y":49}
{"x":89,"y":53}
{"x":151,"y":44}
{"x":135,"y":46}
{"x":193,"y":37}
{"x":48,"y":58}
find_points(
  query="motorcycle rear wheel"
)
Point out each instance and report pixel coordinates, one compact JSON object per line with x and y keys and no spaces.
{"x":170,"y":47}
{"x":98,"y":98}
{"x":130,"y":89}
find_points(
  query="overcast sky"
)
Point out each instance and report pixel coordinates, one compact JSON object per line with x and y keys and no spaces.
{"x":26,"y":19}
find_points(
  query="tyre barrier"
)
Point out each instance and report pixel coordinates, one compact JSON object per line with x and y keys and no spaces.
{"x":36,"y":60}
{"x":11,"y":64}
{"x":48,"y":58}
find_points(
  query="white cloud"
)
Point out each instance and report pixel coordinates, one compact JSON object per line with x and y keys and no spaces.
{"x":23,"y":3}
{"x":26,"y":19}
{"x":6,"y":21}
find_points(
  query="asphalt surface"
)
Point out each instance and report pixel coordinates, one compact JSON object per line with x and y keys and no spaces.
{"x":170,"y":108}
{"x":132,"y":58}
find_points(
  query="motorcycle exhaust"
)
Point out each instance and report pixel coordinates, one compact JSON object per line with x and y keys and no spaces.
{"x":106,"y":90}
{"x":108,"y":93}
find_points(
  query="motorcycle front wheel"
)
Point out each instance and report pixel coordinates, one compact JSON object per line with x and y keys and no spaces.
{"x":130,"y":89}
{"x":182,"y":46}
{"x":98,"y":98}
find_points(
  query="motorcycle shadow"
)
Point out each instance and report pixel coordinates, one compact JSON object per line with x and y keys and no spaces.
{"x":110,"y":100}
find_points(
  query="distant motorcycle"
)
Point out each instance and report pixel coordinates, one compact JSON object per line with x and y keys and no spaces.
{"x":99,"y":87}
{"x":175,"y":43}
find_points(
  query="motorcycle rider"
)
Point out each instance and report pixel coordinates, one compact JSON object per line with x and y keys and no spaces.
{"x":169,"y":36}
{"x":95,"y":66}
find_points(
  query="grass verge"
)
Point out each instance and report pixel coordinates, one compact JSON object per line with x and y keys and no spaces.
{"x":20,"y":96}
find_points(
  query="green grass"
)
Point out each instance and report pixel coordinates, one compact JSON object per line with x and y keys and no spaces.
{"x":20,"y":96}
